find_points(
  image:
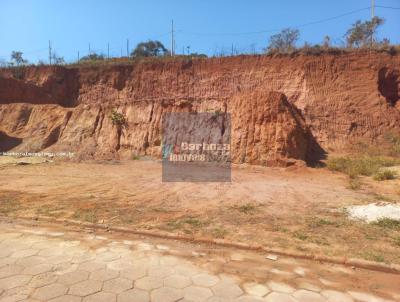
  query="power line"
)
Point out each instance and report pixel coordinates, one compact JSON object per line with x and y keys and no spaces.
{"x":388,"y":7}
{"x":277,"y":29}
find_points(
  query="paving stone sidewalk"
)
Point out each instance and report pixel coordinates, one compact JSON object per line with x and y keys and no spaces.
{"x":39,"y":264}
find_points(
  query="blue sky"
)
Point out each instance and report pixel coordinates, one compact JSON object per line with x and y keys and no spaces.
{"x":207,"y":26}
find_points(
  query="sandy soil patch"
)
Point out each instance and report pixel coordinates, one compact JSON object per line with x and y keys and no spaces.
{"x":300,"y":209}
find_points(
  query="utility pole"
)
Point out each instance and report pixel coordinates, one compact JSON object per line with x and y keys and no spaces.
{"x":108,"y":50}
{"x":127,"y":47}
{"x":372,"y":18}
{"x":78,"y":56}
{"x":89,"y":50}
{"x":49,"y":52}
{"x":372,"y":9}
{"x":172,"y":39}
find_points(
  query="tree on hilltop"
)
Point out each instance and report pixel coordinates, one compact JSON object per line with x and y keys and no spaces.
{"x":16,"y":56}
{"x":361,"y":34}
{"x":285,"y":41}
{"x":93,"y":57}
{"x":57,"y":60}
{"x":149,"y":49}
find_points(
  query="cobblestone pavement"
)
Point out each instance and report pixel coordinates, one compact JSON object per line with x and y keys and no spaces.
{"x":40,"y":263}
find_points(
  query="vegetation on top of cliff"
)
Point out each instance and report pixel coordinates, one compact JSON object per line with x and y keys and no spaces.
{"x":16,"y":57}
{"x":93,"y":57}
{"x":308,"y":50}
{"x":360,"y":36}
{"x":285,"y":41}
{"x":150,"y":49}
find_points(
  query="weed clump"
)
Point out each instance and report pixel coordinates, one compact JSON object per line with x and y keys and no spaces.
{"x":183,"y":223}
{"x":300,"y":235}
{"x":388,"y":223}
{"x":354,"y":183}
{"x":219,"y":232}
{"x":394,"y":141}
{"x":385,"y":175}
{"x":117,"y":118}
{"x":356,"y":166}
{"x":247,"y":208}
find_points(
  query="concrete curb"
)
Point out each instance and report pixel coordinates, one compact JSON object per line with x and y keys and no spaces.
{"x":351,"y":262}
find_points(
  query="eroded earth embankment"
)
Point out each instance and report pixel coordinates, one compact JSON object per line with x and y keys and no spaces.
{"x":283,"y":108}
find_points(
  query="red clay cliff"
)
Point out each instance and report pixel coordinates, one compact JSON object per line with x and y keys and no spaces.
{"x":283,"y":108}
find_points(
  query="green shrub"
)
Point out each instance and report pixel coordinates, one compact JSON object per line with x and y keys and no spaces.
{"x":117,"y":118}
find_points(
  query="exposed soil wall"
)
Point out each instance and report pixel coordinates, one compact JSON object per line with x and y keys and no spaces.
{"x":282,"y":107}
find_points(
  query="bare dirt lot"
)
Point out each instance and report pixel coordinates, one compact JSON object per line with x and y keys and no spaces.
{"x":299,"y":209}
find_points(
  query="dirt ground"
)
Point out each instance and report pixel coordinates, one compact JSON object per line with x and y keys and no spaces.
{"x":299,"y":209}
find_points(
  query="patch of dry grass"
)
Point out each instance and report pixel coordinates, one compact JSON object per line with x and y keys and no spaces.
{"x":354,"y":183}
{"x":388,"y":223}
{"x":219,"y":232}
{"x":369,"y":159}
{"x":363,"y":165}
{"x":372,"y":256}
{"x":9,"y":206}
{"x":385,"y":175}
{"x":247,"y":208}
{"x":87,"y":215}
{"x":186,"y":223}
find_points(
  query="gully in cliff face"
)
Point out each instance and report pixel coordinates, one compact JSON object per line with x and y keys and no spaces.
{"x":8,"y":142}
{"x":389,"y":85}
